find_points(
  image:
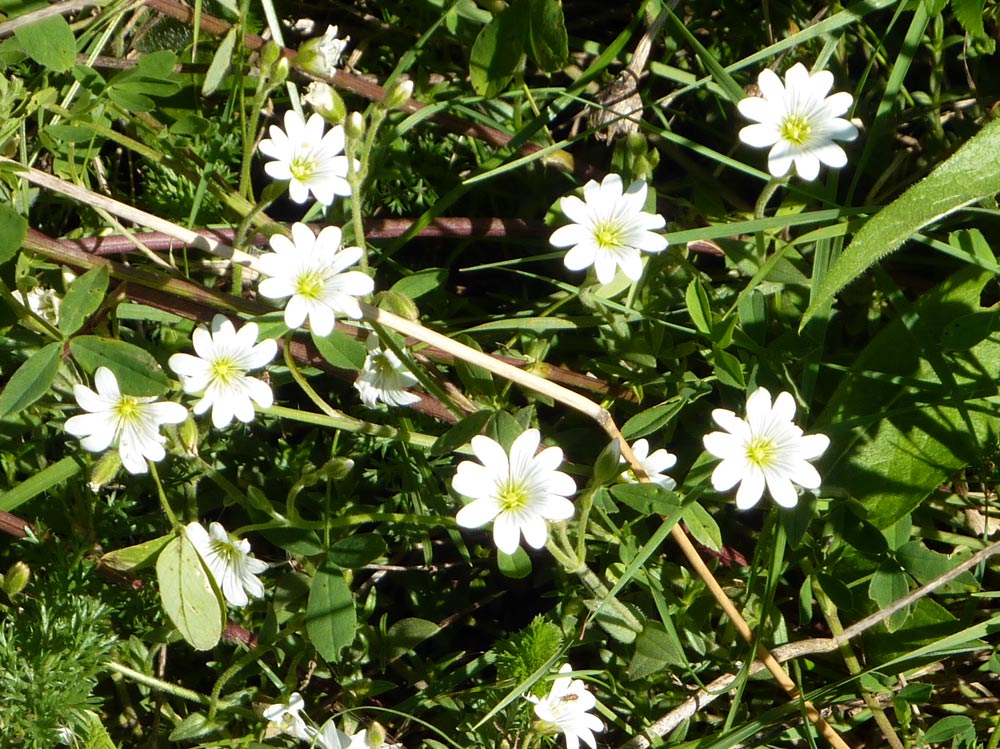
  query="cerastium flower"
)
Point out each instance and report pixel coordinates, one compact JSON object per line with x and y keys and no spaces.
{"x":609,"y":229}
{"x":519,"y":492}
{"x":309,"y":160}
{"x":310,"y":271}
{"x":129,"y":422}
{"x":765,"y":448}
{"x":284,"y":717}
{"x":228,"y":559}
{"x":220,"y":370}
{"x":566,"y":710}
{"x":798,"y":121}
{"x":654,"y":465}
{"x":321,"y":56}
{"x":384,"y":377}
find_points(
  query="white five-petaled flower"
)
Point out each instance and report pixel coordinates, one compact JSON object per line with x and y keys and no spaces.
{"x":384,"y":377}
{"x":129,"y":422}
{"x":331,"y":737}
{"x":766,"y":448}
{"x":321,"y":56}
{"x":310,"y":269}
{"x":229,"y":561}
{"x":566,"y":710}
{"x":308,"y":159}
{"x":798,"y":121}
{"x":43,"y":302}
{"x":609,"y":229}
{"x":220,"y":370}
{"x":654,"y":465}
{"x":283,"y":717}
{"x":518,"y":493}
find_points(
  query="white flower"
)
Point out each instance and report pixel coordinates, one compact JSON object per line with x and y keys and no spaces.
{"x":284,"y":718}
{"x":325,"y":102}
{"x":609,"y":229}
{"x":322,"y":56}
{"x":765,"y":448}
{"x":229,"y":561}
{"x":518,"y":493}
{"x":130,"y":422}
{"x":654,"y":465}
{"x":43,"y":302}
{"x":566,"y":710}
{"x":330,"y":737}
{"x":310,"y":160}
{"x":309,"y":269}
{"x":384,"y":377}
{"x":220,"y":370}
{"x":798,"y":121}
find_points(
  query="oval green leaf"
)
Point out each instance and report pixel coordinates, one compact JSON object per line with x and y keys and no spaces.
{"x":49,"y":42}
{"x":188,"y":594}
{"x":31,"y":380}
{"x":13,"y":229}
{"x":357,"y":550}
{"x":82,"y":299}
{"x":331,"y":619}
{"x":137,"y":371}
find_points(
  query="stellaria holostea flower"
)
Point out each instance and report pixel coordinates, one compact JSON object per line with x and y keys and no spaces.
{"x":220,"y":370}
{"x":609,"y":229}
{"x":310,"y":269}
{"x":519,"y":492}
{"x":283,"y":717}
{"x":308,"y":159}
{"x":228,"y":559}
{"x":765,"y":448}
{"x":798,"y":121}
{"x":384,"y":377}
{"x":566,"y":710}
{"x":129,"y":422}
{"x":654,"y":465}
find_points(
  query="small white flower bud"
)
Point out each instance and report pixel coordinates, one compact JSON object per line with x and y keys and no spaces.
{"x":355,"y":126}
{"x":398,"y":95}
{"x":326,"y":102}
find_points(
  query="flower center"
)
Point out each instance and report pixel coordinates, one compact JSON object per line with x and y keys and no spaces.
{"x":128,"y":409}
{"x":761,"y":451}
{"x":608,"y":235}
{"x":310,"y":284}
{"x":226,"y":370}
{"x":225,"y":551}
{"x":795,"y":129}
{"x":512,"y":497}
{"x":302,"y":167}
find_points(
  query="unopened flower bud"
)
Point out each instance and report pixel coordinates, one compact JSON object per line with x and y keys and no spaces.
{"x":399,"y":304}
{"x":355,"y":126}
{"x":269,"y":55}
{"x":321,"y":56}
{"x":16,"y":579}
{"x":326,"y":102}
{"x":188,"y":434}
{"x":398,"y":95}
{"x":105,"y":470}
{"x":376,"y":736}
{"x":280,"y":72}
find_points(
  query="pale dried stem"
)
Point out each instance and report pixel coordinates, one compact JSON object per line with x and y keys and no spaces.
{"x":518,"y":376}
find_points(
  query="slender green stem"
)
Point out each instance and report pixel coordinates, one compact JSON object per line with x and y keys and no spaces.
{"x":242,"y":662}
{"x":158,"y":684}
{"x":167,"y":509}
{"x":765,"y":196}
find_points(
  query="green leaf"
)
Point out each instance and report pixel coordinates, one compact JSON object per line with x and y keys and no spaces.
{"x":728,"y":369}
{"x":970,"y":174}
{"x":188,"y":595}
{"x":969,"y":13}
{"x":497,"y":51}
{"x":476,"y":379}
{"x":702,"y":526}
{"x":403,"y":636}
{"x":49,"y":42}
{"x":887,"y":586}
{"x":13,"y":229}
{"x":526,"y":324}
{"x":966,"y":331}
{"x":82,"y":299}
{"x":137,"y":371}
{"x":655,"y":649}
{"x":331,"y":619}
{"x":652,"y":419}
{"x":417,"y":284}
{"x":698,"y":307}
{"x":31,"y":380}
{"x":461,"y":433}
{"x":97,"y":736}
{"x":220,"y":63}
{"x":516,"y":566}
{"x":927,"y":565}
{"x":548,"y":43}
{"x":194,"y":726}
{"x":48,"y":477}
{"x":130,"y":100}
{"x":949,"y":728}
{"x":357,"y":550}
{"x":133,"y":558}
{"x":646,"y":499}
{"x":341,"y":350}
